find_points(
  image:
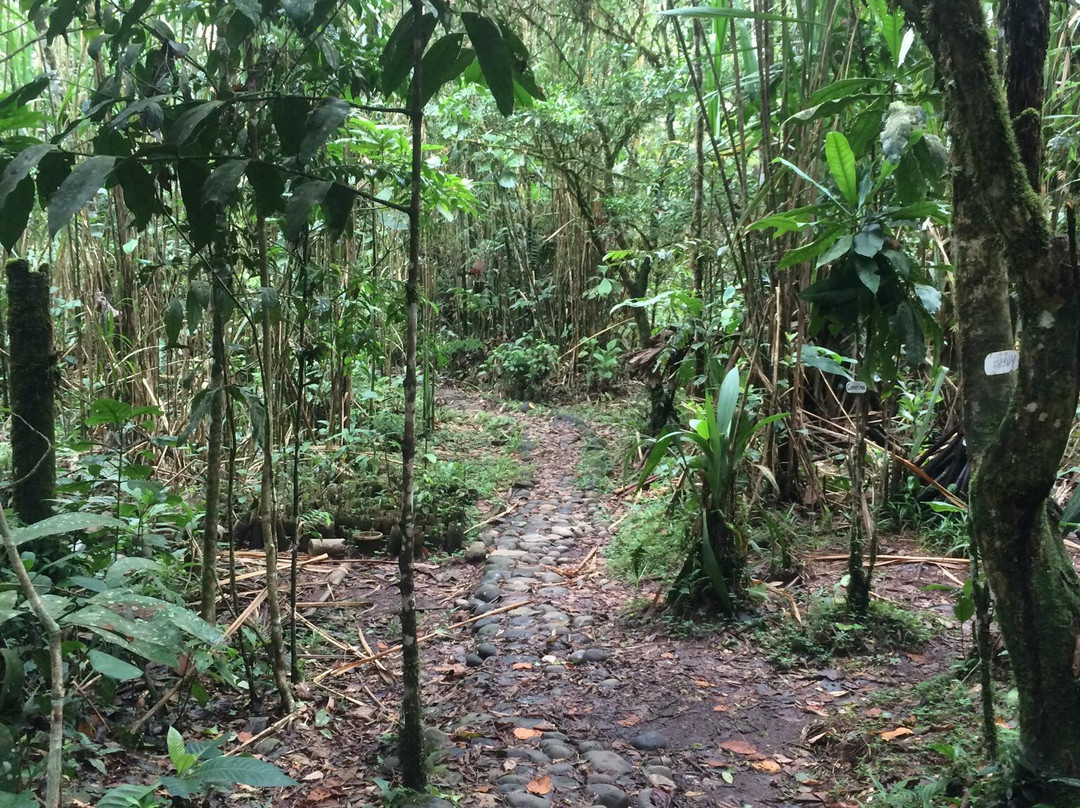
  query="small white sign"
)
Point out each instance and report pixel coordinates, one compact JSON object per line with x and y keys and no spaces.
{"x":1001,"y":362}
{"x":856,"y":388}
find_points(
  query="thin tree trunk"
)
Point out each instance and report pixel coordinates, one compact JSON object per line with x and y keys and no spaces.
{"x":54,"y":770}
{"x":411,"y":741}
{"x":212,"y":521}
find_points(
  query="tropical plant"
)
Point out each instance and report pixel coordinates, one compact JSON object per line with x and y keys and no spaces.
{"x":717,"y":443}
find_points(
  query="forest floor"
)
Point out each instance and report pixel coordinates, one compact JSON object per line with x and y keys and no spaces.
{"x":566,"y":689}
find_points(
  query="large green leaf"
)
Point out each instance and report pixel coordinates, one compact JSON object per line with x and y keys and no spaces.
{"x":63,"y":523}
{"x":113,"y":667}
{"x":323,"y":121}
{"x":20,"y":167}
{"x":842,"y":166}
{"x":23,"y":799}
{"x":246,"y":771}
{"x":304,"y":198}
{"x":221,"y":185}
{"x":268,"y":185}
{"x":125,"y":796}
{"x":289,"y":113}
{"x":140,"y":196}
{"x":153,"y":610}
{"x":396,"y":59}
{"x":201,"y":219}
{"x":443,"y":63}
{"x":78,"y":189}
{"x":189,"y":124}
{"x":15,"y":212}
{"x":495,"y":59}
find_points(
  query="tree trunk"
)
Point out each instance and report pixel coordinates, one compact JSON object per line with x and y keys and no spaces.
{"x":216,"y":430}
{"x":32,"y":407}
{"x":1017,"y":427}
{"x":411,"y":740}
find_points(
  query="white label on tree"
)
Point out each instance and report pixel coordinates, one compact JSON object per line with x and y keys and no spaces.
{"x":1000,"y":362}
{"x":857,"y":388}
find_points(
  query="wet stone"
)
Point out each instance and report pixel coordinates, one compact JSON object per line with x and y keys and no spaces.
{"x":608,"y":762}
{"x":649,"y":741}
{"x":557,"y":750}
{"x":662,"y":771}
{"x":581,"y":620}
{"x":522,"y":799}
{"x":594,"y":778}
{"x":476,"y":551}
{"x":487,"y":649}
{"x":589,"y":746}
{"x":488,"y":592}
{"x":609,"y":796}
{"x":532,"y":755}
{"x":490,"y":630}
{"x":550,"y":577}
{"x":561,"y":769}
{"x":474,"y":660}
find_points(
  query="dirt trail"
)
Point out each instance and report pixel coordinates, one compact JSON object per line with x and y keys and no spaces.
{"x":558,"y":698}
{"x":621,"y":716}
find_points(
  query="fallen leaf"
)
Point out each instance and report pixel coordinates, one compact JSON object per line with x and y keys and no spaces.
{"x":629,"y":721}
{"x":521,"y":666}
{"x":484,"y":800}
{"x":716,"y":763}
{"x":721,"y":708}
{"x":738,"y":747}
{"x":873,"y":712}
{"x":524,"y":733}
{"x":541,"y":786}
{"x":317,"y":794}
{"x":244,"y":737}
{"x":659,"y":781}
{"x":307,"y":778}
{"x":767,"y":766}
{"x":893,"y":734}
{"x":702,"y":683}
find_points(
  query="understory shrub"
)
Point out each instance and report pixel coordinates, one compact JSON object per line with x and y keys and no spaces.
{"x":522,"y":367}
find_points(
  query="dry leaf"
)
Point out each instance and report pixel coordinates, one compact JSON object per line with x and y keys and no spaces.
{"x":484,"y":801}
{"x":721,"y":708}
{"x":317,"y":794}
{"x":524,"y":733}
{"x":738,"y":747}
{"x":767,"y":766}
{"x":629,"y":721}
{"x":521,"y":666}
{"x":873,"y":712}
{"x":541,"y":786}
{"x":893,"y":734}
{"x":702,"y":683}
{"x":307,"y":778}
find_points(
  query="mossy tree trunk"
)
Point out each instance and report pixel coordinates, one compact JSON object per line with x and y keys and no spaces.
{"x":411,"y":738}
{"x":1017,"y":424}
{"x":32,"y":384}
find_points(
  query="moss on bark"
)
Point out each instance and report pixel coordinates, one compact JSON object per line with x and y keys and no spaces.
{"x":32,"y":382}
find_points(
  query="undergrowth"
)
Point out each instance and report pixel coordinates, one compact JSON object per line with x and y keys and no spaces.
{"x":828,"y":631}
{"x":650,"y":544}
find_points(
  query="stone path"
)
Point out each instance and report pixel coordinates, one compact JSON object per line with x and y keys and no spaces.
{"x":556,"y":636}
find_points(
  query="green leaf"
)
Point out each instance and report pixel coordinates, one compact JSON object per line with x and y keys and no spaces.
{"x":188,"y":124}
{"x":78,"y":189}
{"x":200,"y":408}
{"x":152,"y":610}
{"x":441,"y":64}
{"x":867,"y":270}
{"x":268,"y":185}
{"x":140,"y":196}
{"x":63,"y":523}
{"x":198,"y":299}
{"x":838,"y":250}
{"x":220,"y":186}
{"x":396,"y":60}
{"x":113,"y":667}
{"x":20,"y":167}
{"x":201,"y":220}
{"x":304,"y":198}
{"x":869,"y":241}
{"x":495,"y":59}
{"x":289,"y":114}
{"x":174,"y":322}
{"x":323,"y":121}
{"x":842,"y":166}
{"x":845,"y":88}
{"x":120,"y":568}
{"x":929,"y":296}
{"x":826,"y":361}
{"x":248,"y":771}
{"x":809,"y":252}
{"x":126,"y":796}
{"x":53,"y":169}
{"x":15,"y":213}
{"x":23,"y":799}
{"x":337,"y":206}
